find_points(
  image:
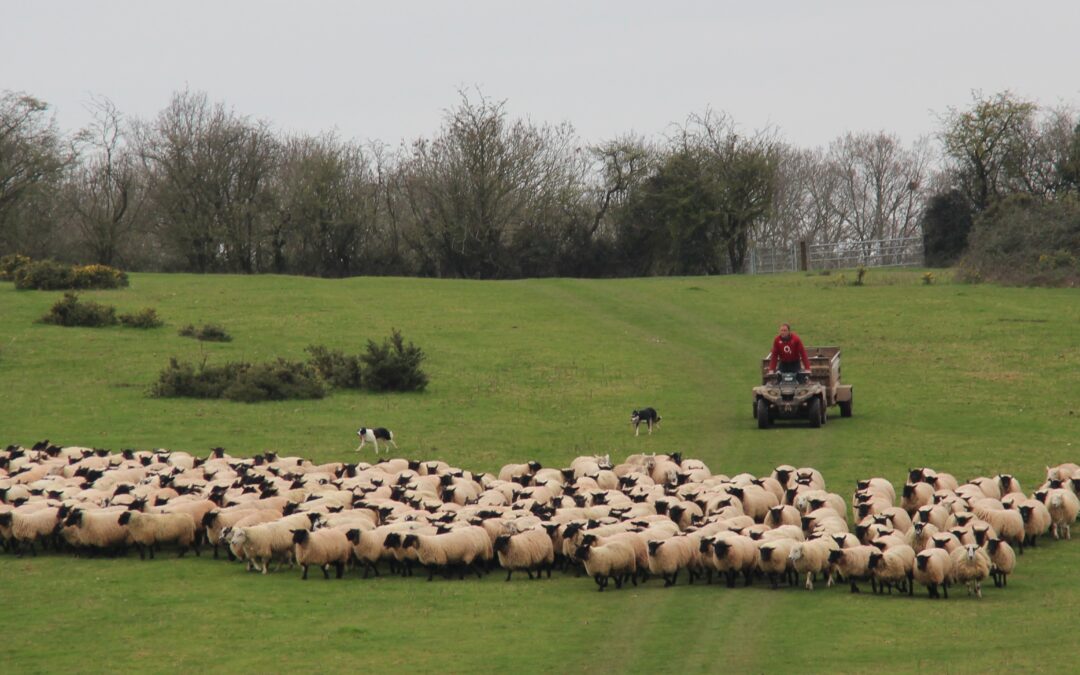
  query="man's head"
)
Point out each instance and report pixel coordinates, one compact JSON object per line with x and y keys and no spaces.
{"x":785,"y":331}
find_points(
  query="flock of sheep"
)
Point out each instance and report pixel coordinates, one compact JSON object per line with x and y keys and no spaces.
{"x":652,"y":516}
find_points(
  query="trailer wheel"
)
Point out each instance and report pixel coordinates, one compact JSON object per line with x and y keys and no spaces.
{"x":845,"y":407}
{"x":813,"y":411}
{"x":762,"y":414}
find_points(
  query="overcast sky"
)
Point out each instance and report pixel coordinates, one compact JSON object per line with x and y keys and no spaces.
{"x":389,"y":70}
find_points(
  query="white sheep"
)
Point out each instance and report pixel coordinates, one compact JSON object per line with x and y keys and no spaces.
{"x":322,"y":548}
{"x":530,"y":551}
{"x":970,"y":566}
{"x":811,"y":558}
{"x":615,"y":560}
{"x":149,"y":530}
{"x":933,"y":569}
{"x":1063,"y":507}
{"x":273,"y":541}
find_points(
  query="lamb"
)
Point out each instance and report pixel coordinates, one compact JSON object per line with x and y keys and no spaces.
{"x":774,"y":562}
{"x":933,"y":568}
{"x":853,"y":564}
{"x":811,"y":558}
{"x":970,"y":566}
{"x":1063,"y":507}
{"x":612,"y":560}
{"x":1002,"y":561}
{"x":323,"y":548}
{"x":529,"y":550}
{"x":149,"y":530}
{"x":893,"y":566}
{"x":1036,"y":518}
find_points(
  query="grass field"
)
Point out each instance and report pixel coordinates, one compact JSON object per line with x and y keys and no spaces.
{"x":973,"y":380}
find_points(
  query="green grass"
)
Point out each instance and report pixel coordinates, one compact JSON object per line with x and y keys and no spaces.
{"x":973,"y":380}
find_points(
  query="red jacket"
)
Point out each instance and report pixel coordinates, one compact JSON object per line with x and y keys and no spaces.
{"x":788,"y":352}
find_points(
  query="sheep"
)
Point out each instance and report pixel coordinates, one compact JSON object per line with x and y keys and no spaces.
{"x":668,"y":556}
{"x":811,"y":558}
{"x":935,"y":514}
{"x":1063,"y":507}
{"x":810,"y":477}
{"x":916,"y":496}
{"x":879,"y":485}
{"x":940,"y":481}
{"x":970,"y":566}
{"x":323,"y":548}
{"x":853,"y":564}
{"x":891,"y":566}
{"x":639,"y":541}
{"x":1062,"y":472}
{"x":148,"y":530}
{"x":933,"y":569}
{"x":512,"y":472}
{"x":783,"y":515}
{"x":1036,"y":519}
{"x":1008,"y":524}
{"x":731,"y":554}
{"x":97,"y":528}
{"x":1002,"y":561}
{"x":756,"y":501}
{"x":774,"y":563}
{"x":31,"y":525}
{"x":461,"y":548}
{"x":271,"y":541}
{"x":529,"y":550}
{"x":1008,"y":484}
{"x":612,"y":560}
{"x":989,"y":486}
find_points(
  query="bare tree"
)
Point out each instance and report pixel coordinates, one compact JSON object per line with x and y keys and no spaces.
{"x":103,"y":191}
{"x":33,"y":156}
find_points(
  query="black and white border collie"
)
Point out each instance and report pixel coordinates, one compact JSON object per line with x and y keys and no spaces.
{"x":374,"y":436}
{"x":649,"y":416}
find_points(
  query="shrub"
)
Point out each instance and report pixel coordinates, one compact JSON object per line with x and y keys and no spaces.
{"x":393,"y":365}
{"x":10,"y":263}
{"x":98,"y":276}
{"x":44,"y":275}
{"x":70,"y":311}
{"x":928,"y":278}
{"x":335,"y":367}
{"x":860,"y":275}
{"x":208,"y":333}
{"x":144,"y":318}
{"x":49,"y":275}
{"x":275,"y":381}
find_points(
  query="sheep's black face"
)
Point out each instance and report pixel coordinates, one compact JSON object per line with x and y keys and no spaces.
{"x":836,"y":556}
{"x":736,"y":492}
{"x":410,"y":541}
{"x":654,"y":546}
{"x":704,"y":545}
{"x":807,"y":523}
{"x":782,"y":476}
{"x":124,"y":518}
{"x":860,"y":531}
{"x":502,"y":543}
{"x":5,"y":519}
{"x":766,"y":553}
{"x":915,"y":475}
{"x":1025,"y":513}
{"x":414,"y":465}
{"x":921,"y":561}
{"x":300,"y":536}
{"x":353,"y":536}
{"x":721,"y":548}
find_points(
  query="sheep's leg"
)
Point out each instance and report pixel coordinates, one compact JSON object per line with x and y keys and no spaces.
{"x":305,"y":572}
{"x":633,"y":578}
{"x":142,"y":552}
{"x":325,"y":571}
{"x":854,"y":588}
{"x":599,"y":581}
{"x":510,"y":572}
{"x":809,"y":582}
{"x":340,"y":569}
{"x":749,"y":577}
{"x":183,"y":550}
{"x":618,"y":581}
{"x":1004,"y":580}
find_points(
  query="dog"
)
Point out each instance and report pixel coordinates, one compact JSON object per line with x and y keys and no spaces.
{"x":649,"y":416}
{"x":374,"y":436}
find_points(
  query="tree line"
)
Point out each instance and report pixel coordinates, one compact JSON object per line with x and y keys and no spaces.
{"x":202,"y":188}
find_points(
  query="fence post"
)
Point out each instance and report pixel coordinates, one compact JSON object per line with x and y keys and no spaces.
{"x":804,"y":258}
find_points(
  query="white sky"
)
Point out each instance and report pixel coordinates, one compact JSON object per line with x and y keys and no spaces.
{"x":388,"y":70}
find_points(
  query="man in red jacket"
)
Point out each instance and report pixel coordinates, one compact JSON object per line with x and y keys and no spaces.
{"x":788,"y":350}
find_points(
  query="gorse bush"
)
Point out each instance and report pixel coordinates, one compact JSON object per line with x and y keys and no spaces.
{"x":275,"y":381}
{"x":144,"y":318}
{"x":70,"y":311}
{"x":393,"y":365}
{"x":338,"y":369}
{"x":208,"y":333}
{"x":10,"y":263}
{"x":49,"y":275}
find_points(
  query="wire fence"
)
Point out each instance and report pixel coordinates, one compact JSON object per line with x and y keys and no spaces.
{"x":898,"y":252}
